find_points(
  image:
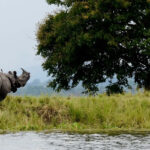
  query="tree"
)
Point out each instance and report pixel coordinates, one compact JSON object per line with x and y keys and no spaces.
{"x":94,"y":40}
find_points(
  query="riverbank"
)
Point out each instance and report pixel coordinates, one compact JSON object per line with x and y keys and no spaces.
{"x":101,"y":114}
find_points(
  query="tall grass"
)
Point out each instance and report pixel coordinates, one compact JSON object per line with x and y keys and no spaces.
{"x":120,"y":112}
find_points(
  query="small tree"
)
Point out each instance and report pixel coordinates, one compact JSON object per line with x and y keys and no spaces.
{"x":93,"y":40}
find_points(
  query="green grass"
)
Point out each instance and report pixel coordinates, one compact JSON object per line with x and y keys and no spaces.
{"x":76,"y":114}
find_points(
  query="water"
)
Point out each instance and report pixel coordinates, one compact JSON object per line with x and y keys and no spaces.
{"x":60,"y":141}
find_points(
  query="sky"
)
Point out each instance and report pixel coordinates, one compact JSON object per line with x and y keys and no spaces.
{"x":18,"y":25}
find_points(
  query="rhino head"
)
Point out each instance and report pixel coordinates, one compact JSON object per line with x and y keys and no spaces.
{"x":10,"y":82}
{"x":23,"y":78}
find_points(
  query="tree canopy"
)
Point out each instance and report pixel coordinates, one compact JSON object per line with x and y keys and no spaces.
{"x":91,"y":41}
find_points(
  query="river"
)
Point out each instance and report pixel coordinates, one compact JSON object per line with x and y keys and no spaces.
{"x":61,"y":141}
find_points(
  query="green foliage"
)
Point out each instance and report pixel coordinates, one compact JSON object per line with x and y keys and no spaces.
{"x":93,"y":40}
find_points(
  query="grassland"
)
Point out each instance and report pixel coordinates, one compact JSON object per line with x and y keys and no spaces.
{"x":125,"y":113}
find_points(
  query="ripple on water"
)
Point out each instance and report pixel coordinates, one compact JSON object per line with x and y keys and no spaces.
{"x":61,"y":141}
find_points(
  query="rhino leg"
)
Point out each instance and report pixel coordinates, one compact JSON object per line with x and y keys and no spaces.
{"x":2,"y":97}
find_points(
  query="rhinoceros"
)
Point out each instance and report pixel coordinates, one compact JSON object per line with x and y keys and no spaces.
{"x":10,"y":82}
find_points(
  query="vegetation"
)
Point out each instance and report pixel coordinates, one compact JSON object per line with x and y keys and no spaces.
{"x":77,"y":114}
{"x":94,"y":40}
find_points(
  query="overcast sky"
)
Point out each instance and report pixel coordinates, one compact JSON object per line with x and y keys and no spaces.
{"x":18,"y":25}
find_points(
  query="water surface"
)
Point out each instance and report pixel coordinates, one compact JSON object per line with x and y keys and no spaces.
{"x":61,"y":141}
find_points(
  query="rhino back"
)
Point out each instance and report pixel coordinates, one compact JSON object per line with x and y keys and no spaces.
{"x":0,"y":82}
{"x":5,"y":85}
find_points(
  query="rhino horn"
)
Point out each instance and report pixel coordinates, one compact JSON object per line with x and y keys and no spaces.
{"x":23,"y":70}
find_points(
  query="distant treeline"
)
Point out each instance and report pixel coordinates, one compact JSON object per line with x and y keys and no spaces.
{"x":36,"y":88}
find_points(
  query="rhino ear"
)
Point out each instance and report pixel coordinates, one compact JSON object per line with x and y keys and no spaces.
{"x":9,"y":72}
{"x":15,"y":74}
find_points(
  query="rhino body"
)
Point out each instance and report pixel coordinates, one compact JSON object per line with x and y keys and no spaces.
{"x":10,"y":82}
